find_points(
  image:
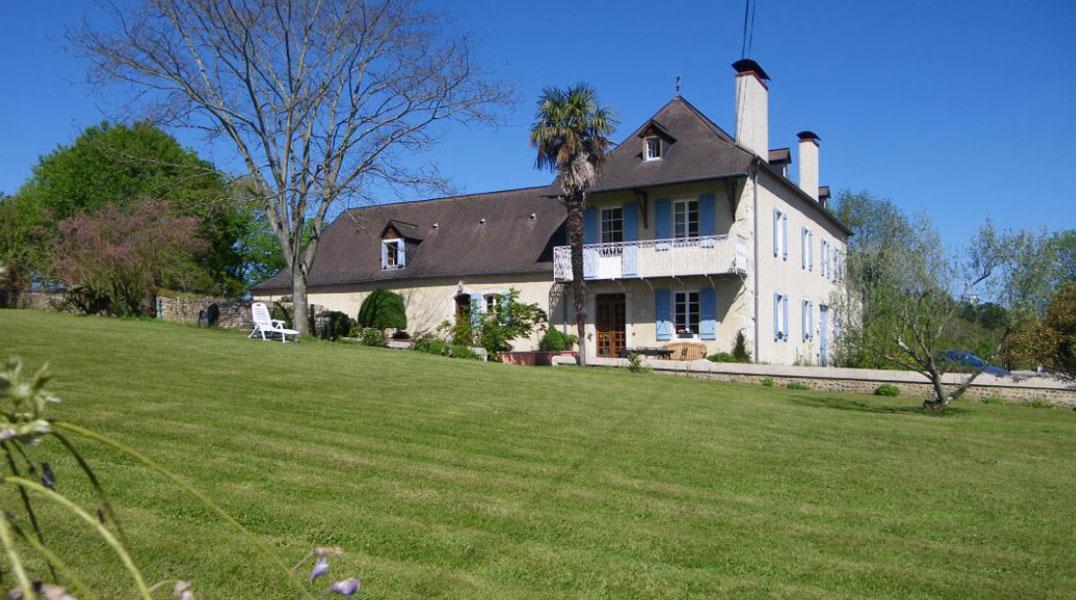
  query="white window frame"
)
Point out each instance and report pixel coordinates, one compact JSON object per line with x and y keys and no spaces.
{"x":401,"y":258}
{"x":780,"y":324}
{"x":686,"y":203}
{"x":684,"y":299}
{"x":647,"y":155}
{"x":601,"y":224}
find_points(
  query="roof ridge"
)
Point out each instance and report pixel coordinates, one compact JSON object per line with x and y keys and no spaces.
{"x":445,"y":198}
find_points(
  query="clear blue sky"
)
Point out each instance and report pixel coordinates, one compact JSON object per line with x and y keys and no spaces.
{"x":964,"y":109}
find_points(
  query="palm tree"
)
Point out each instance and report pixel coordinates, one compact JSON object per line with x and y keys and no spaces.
{"x":569,"y":132}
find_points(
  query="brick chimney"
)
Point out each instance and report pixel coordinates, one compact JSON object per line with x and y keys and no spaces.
{"x":808,"y":162}
{"x":752,"y":107}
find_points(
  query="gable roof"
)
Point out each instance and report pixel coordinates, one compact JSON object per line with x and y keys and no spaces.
{"x":449,"y":239}
{"x":700,"y":150}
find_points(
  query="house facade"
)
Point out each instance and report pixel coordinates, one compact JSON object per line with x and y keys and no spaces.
{"x":690,"y":233}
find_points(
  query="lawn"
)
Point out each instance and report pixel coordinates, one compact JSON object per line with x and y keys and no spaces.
{"x":455,"y":479}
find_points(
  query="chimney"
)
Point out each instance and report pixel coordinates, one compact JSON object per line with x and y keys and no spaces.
{"x":752,"y":107}
{"x":809,"y":162}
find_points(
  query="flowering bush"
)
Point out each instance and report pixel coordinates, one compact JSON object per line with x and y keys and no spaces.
{"x":112,"y":261}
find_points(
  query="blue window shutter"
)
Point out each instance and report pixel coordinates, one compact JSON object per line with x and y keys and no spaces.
{"x":784,"y":237}
{"x":630,"y":212}
{"x":803,"y":248}
{"x":590,"y":225}
{"x":784,"y":319}
{"x":707,"y":215}
{"x":401,"y":255}
{"x":504,"y":308}
{"x":384,"y":256}
{"x":708,"y":313}
{"x":663,"y":314}
{"x":776,"y":232}
{"x":804,"y":320}
{"x":662,"y":219}
{"x":777,"y":316}
{"x":477,"y":308}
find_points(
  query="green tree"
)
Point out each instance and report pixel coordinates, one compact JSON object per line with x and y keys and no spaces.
{"x":122,"y":165}
{"x":383,"y":309}
{"x":1060,"y":320}
{"x":570,"y":133}
{"x":1065,"y":246}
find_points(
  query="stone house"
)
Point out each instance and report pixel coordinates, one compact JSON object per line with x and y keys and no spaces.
{"x":690,"y":233}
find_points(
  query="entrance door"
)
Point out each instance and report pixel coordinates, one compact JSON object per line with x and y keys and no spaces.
{"x":610,"y":323}
{"x":823,"y":335}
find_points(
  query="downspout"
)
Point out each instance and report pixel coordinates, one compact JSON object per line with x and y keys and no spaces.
{"x":754,"y":267}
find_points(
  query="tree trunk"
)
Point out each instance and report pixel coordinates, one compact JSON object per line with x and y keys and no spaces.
{"x":300,"y":308}
{"x":579,"y":291}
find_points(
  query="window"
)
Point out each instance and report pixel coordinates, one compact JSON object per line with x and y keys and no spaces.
{"x":392,"y":255}
{"x":612,"y":225}
{"x":686,"y":219}
{"x":491,"y":302}
{"x":780,"y":234}
{"x":780,"y":317}
{"x":652,"y":148}
{"x":686,"y":312}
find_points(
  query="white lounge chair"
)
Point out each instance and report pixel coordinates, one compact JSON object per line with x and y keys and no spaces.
{"x":265,"y":324}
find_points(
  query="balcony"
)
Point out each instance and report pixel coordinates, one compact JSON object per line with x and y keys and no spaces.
{"x":679,"y":257}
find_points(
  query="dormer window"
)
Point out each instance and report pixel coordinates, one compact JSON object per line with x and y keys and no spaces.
{"x":393,"y":255}
{"x":652,"y":148}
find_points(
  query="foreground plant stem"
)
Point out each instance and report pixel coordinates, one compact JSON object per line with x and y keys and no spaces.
{"x":103,"y":531}
{"x":93,"y":435}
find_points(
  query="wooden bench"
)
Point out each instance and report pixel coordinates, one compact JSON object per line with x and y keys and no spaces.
{"x":686,"y":350}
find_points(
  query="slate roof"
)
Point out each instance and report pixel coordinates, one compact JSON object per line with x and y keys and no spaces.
{"x":701,"y":150}
{"x":509,"y":241}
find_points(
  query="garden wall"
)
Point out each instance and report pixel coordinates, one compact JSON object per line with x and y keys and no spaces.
{"x":860,"y":381}
{"x":228,"y":312}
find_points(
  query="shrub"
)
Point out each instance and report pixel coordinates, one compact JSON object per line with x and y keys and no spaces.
{"x":431,"y":345}
{"x":722,"y":357}
{"x":462,"y":351}
{"x":281,"y":311}
{"x":334,"y":325}
{"x":556,"y":341}
{"x":887,"y":389}
{"x":795,"y":385}
{"x":369,"y":336}
{"x":383,"y":309}
{"x":767,"y":382}
{"x":511,"y":319}
{"x":635,"y":363}
{"x":739,"y":348}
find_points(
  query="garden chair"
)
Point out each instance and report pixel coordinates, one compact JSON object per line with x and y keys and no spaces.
{"x":265,"y":324}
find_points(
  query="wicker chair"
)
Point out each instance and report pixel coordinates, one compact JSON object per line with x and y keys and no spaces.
{"x":686,"y":350}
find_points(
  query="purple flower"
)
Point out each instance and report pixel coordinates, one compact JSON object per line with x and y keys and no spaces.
{"x":321,"y":567}
{"x":347,"y":587}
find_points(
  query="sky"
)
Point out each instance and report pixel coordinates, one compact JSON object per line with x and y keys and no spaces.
{"x":964,"y":110}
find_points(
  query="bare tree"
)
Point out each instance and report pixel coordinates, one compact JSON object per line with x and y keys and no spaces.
{"x":319,"y":98}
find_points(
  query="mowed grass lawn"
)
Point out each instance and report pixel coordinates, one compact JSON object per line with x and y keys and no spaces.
{"x":454,"y":479}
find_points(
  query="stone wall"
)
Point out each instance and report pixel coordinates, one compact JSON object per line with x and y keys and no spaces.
{"x":860,"y":381}
{"x":228,"y":312}
{"x":36,"y":299}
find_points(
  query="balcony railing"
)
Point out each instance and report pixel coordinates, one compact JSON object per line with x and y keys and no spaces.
{"x":674,"y":257}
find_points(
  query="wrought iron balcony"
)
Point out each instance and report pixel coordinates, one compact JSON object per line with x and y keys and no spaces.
{"x":673,"y":257}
